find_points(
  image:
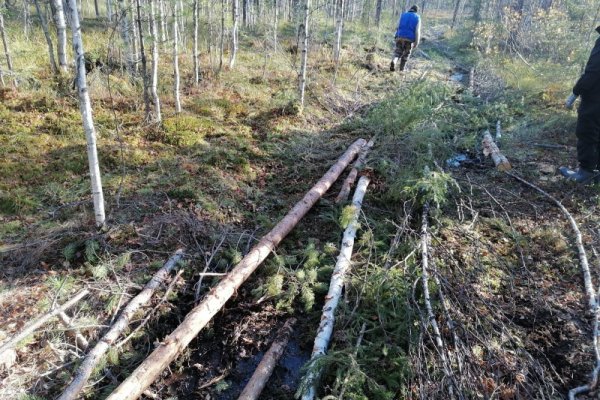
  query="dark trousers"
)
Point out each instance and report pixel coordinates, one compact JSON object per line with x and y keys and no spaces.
{"x":402,"y":51}
{"x":588,"y":135}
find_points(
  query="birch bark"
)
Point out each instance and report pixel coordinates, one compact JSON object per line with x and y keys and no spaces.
{"x":234,"y":34}
{"x":44,"y":23}
{"x":155,"y":59}
{"x":86,"y":114}
{"x":61,"y":34}
{"x":302,"y":75}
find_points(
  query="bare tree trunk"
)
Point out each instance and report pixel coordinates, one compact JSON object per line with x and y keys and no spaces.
{"x":61,"y":34}
{"x":490,"y":149}
{"x":338,"y":35}
{"x":109,"y":10}
{"x":81,"y":342}
{"x":303,"y":65}
{"x":234,"y":34}
{"x":176,"y":65}
{"x":26,"y":19}
{"x":44,"y":23}
{"x":163,"y":22}
{"x":263,"y":372}
{"x":222,"y":44}
{"x":124,"y":28}
{"x":96,"y":9}
{"x":455,"y":14}
{"x":201,"y":315}
{"x":135,"y":35}
{"x":378,"y":13}
{"x":86,"y":114}
{"x":210,"y":34}
{"x":275,"y":23}
{"x":351,"y":178}
{"x":144,"y":63}
{"x":195,"y":55}
{"x":155,"y":59}
{"x":342,"y":266}
{"x":33,"y":325}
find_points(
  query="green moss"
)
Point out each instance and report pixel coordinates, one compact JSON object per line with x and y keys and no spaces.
{"x":186,"y":130}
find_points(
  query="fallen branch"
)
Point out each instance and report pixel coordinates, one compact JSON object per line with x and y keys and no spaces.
{"x":426,"y":296}
{"x":351,"y":178}
{"x":33,"y":325}
{"x":263,"y":372}
{"x":588,"y":284}
{"x":95,"y":355}
{"x":200,"y":315}
{"x":490,"y":149}
{"x":342,"y":266}
{"x":82,"y":342}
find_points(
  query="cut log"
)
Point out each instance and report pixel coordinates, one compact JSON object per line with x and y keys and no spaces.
{"x":32,"y":326}
{"x":200,"y":315}
{"x":263,"y":372}
{"x":351,"y":178}
{"x":95,"y":355}
{"x":342,"y":266}
{"x":490,"y":149}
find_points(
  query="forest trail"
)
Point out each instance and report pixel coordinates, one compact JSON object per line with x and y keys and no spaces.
{"x":507,"y":286}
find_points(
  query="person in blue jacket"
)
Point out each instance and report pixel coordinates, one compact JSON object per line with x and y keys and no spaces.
{"x":588,"y":121}
{"x":408,"y":37}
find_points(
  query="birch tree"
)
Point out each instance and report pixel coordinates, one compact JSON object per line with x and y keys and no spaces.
{"x":302,"y":74}
{"x":125,"y":27}
{"x":44,"y":23}
{"x":155,"y":59}
{"x":234,"y":34}
{"x":338,"y":34}
{"x":176,"y":64}
{"x":86,"y":114}
{"x":61,"y":34}
{"x":222,"y":43}
{"x":143,"y":60}
{"x":195,"y":55}
{"x":9,"y":63}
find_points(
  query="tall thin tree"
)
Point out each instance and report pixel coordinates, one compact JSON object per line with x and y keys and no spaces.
{"x":154,"y":85}
{"x":9,"y":63}
{"x":86,"y":114}
{"x":304,"y":62}
{"x":61,"y":34}
{"x":125,"y":28}
{"x":176,"y":64}
{"x":143,"y":60}
{"x":195,"y":55}
{"x":44,"y":24}
{"x":234,"y":33}
{"x":222,"y":43}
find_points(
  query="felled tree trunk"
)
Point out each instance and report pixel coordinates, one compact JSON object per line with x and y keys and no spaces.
{"x":82,"y":342}
{"x":197,"y":319}
{"x":32,"y":326}
{"x":263,"y":372}
{"x":95,"y":355}
{"x":351,"y":178}
{"x":342,"y":266}
{"x":490,"y":149}
{"x":85,"y":107}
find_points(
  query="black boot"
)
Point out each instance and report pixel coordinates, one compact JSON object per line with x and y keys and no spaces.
{"x":392,"y":66}
{"x":580,"y":176}
{"x":402,"y":64}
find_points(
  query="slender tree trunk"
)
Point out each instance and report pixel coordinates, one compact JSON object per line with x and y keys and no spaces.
{"x":9,"y":63}
{"x":26,"y":19}
{"x":176,"y":65}
{"x":303,"y":65}
{"x":144,"y":63}
{"x":181,"y":25}
{"x":124,"y":28}
{"x":2,"y":82}
{"x":109,"y":10}
{"x":96,"y":9}
{"x":338,"y":35}
{"x":135,"y":37}
{"x":163,"y":22}
{"x":86,"y":114}
{"x":378,"y":13}
{"x":195,"y":55}
{"x":200,"y":316}
{"x":44,"y":23}
{"x":222,"y":44}
{"x":210,"y":34}
{"x":275,"y":23}
{"x":155,"y":59}
{"x":234,"y":34}
{"x":61,"y":34}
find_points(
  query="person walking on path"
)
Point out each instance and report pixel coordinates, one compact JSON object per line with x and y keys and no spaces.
{"x":408,"y":37}
{"x":588,"y":121}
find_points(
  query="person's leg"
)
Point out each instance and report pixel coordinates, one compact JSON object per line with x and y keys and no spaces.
{"x":406,"y":49}
{"x":397,"y":54}
{"x":588,"y":136}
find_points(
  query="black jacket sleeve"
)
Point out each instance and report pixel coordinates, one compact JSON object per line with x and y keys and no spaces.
{"x":590,"y":80}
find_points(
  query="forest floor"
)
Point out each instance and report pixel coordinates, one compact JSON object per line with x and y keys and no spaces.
{"x":216,"y":178}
